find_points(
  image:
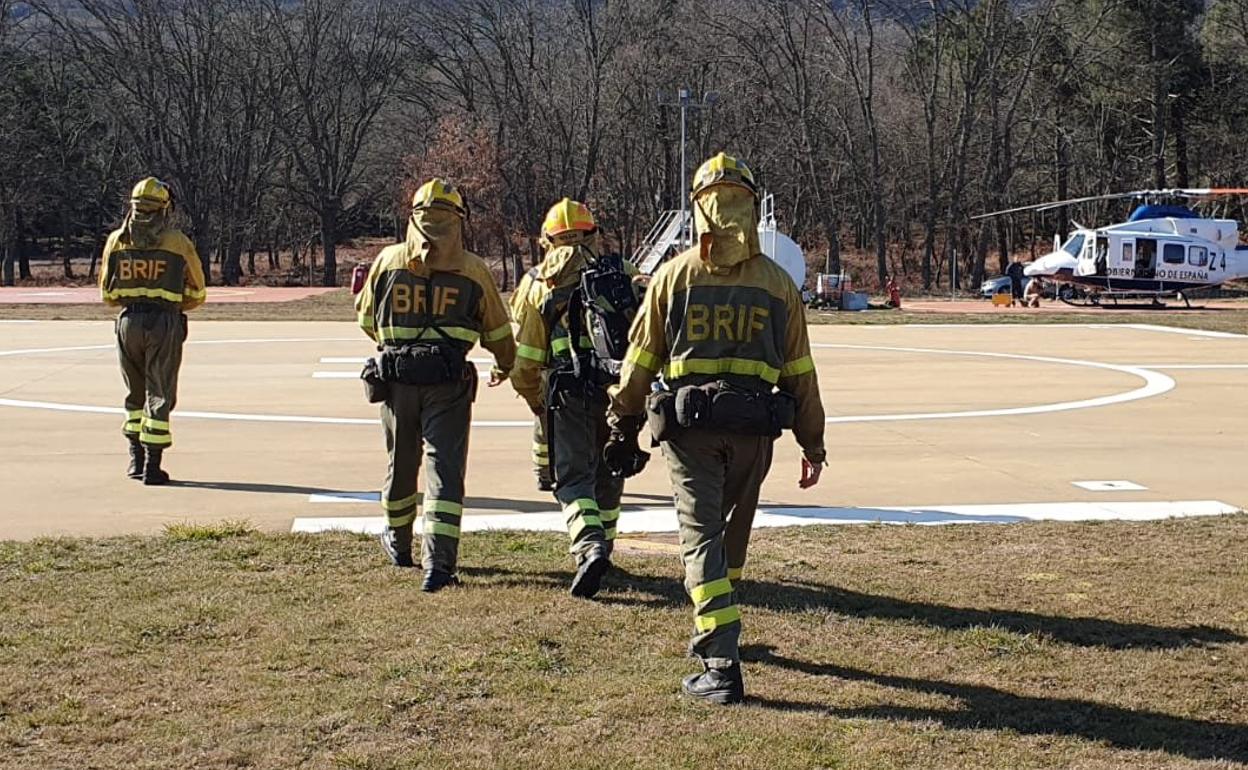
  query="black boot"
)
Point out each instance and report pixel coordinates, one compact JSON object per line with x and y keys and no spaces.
{"x":137,"y":460}
{"x":437,"y":579}
{"x":153,"y":476}
{"x":722,"y":686}
{"x":589,"y":574}
{"x":400,"y":554}
{"x":544,"y":481}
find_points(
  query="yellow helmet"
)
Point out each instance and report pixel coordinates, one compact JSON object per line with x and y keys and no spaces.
{"x":568,"y":215}
{"x":439,"y":193}
{"x":723,"y":169}
{"x":150,"y":194}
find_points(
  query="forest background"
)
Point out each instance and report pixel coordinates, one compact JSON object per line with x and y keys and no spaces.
{"x":289,"y":128}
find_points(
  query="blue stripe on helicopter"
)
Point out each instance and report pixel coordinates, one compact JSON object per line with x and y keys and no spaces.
{"x":1162,"y":211}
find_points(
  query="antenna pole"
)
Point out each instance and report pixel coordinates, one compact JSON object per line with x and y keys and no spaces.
{"x":684,"y":167}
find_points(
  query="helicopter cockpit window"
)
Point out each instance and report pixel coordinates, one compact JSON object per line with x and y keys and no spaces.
{"x":1173,"y":254}
{"x":1073,"y":245}
{"x":1197,"y":256}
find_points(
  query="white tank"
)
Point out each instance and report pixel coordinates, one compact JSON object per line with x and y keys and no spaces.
{"x":785,"y":251}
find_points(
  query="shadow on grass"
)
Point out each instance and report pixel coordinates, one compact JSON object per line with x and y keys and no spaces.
{"x":990,"y":708}
{"x":663,"y":592}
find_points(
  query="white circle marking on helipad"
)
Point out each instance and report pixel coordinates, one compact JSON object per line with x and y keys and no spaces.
{"x":1155,"y":384}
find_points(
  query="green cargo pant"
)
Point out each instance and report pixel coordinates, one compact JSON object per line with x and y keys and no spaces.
{"x":149,"y":348}
{"x":589,"y":495}
{"x":715,"y":477}
{"x":429,"y":421}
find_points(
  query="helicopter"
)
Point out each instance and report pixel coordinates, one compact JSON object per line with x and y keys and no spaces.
{"x":1163,"y":250}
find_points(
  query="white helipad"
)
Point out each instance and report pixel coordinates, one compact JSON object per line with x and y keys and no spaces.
{"x":272,"y":427}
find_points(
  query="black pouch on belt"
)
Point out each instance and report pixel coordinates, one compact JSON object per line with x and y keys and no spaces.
{"x":750,"y":412}
{"x":693,"y":406}
{"x":661,"y":415}
{"x":423,"y":364}
{"x":376,"y":389}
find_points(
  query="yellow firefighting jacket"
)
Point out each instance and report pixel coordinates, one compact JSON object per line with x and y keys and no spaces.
{"x":546,"y":296}
{"x":405,"y":300}
{"x":167,"y":274}
{"x":743,"y":323}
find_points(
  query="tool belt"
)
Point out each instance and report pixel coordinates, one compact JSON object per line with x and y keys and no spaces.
{"x":423,"y":363}
{"x":719,"y":406}
{"x":141,"y":308}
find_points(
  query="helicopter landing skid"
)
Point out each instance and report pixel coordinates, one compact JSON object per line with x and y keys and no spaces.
{"x":1131,"y":301}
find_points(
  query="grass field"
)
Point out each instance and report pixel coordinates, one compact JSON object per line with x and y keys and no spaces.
{"x":1023,"y":646}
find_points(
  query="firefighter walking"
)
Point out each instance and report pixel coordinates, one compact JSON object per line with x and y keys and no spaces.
{"x":541,"y":449}
{"x":151,"y":271}
{"x":563,"y":368}
{"x":427,"y":302}
{"x":725,"y":327}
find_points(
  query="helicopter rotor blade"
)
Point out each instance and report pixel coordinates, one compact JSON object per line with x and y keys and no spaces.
{"x":1208,"y":192}
{"x":1059,"y":204}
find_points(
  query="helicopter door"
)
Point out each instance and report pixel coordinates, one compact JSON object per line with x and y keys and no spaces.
{"x":1145,"y":258}
{"x":1125,"y":266}
{"x":1092,"y":258}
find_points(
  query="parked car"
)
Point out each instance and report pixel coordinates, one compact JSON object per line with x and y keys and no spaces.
{"x":1001,"y":285}
{"x":998,"y":285}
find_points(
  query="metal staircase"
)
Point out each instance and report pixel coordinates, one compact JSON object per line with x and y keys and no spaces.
{"x":665,"y":235}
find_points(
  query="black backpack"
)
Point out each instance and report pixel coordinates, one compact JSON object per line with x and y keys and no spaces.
{"x":602,"y":308}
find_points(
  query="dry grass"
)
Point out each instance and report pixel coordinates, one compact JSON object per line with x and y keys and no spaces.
{"x":1055,"y":645}
{"x":336,"y":306}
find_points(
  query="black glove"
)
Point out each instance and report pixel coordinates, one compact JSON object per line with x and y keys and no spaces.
{"x":622,"y":456}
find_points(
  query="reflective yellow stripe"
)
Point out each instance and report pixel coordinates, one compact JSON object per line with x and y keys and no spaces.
{"x":134,"y":414}
{"x":743,"y":366}
{"x":580,"y":504}
{"x":531,"y":353}
{"x":196,"y":293}
{"x":441,"y":528}
{"x":398,"y":505}
{"x":395,"y":333}
{"x":155,"y":438}
{"x":734,"y":573}
{"x":800,"y":366}
{"x":156,"y":424}
{"x":560,"y":345}
{"x":366,"y":320}
{"x":400,"y":521}
{"x":540,"y":448}
{"x":145,"y":292}
{"x":609,"y":532}
{"x":644,"y":358}
{"x":444,"y":506}
{"x":610,"y":515}
{"x":541,"y":460}
{"x":708,"y":591}
{"x":499,"y":333}
{"x":134,"y":421}
{"x":716,"y":618}
{"x":580,"y":523}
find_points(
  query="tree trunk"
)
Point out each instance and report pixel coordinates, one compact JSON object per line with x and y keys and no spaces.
{"x":66,"y":254}
{"x":329,"y":243}
{"x":23,"y":254}
{"x":1179,"y":128}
